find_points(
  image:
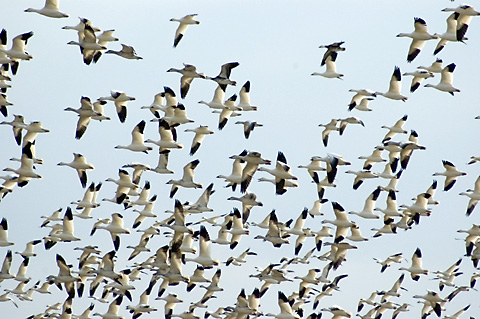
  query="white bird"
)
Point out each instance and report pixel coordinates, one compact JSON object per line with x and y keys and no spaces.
{"x":223,"y":78}
{"x":446,"y":81}
{"x":330,"y":126}
{"x":115,"y":228}
{"x":474,"y":195}
{"x":113,"y":308}
{"x":369,"y":206}
{"x":17,"y":51}
{"x":127,"y":52}
{"x":395,"y":258}
{"x":137,"y":144}
{"x":450,"y":34}
{"x":26,"y":170}
{"x":85,"y":113}
{"x":466,"y":13}
{"x":451,"y":173}
{"x":418,"y":77}
{"x":416,"y":269}
{"x":248,"y":200}
{"x":168,"y":136}
{"x":184,"y":22}
{"x":281,"y":172}
{"x":163,"y":163}
{"x":50,"y":9}
{"x":80,"y":164}
{"x":200,"y":133}
{"x":236,"y":176}
{"x":331,"y":69}
{"x":341,"y":222}
{"x":204,"y":257}
{"x":248,"y":127}
{"x":244,"y":102}
{"x":395,"y":87}
{"x":217,"y":100}
{"x":275,"y":235}
{"x":189,"y":72}
{"x":360,"y":176}
{"x":227,"y":111}
{"x":359,"y":95}
{"x":419,"y":36}
{"x":17,"y":124}
{"x":187,"y":178}
{"x":120,"y":100}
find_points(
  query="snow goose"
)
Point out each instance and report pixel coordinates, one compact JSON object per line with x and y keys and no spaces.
{"x":217,"y":100}
{"x":360,"y":176}
{"x":184,"y":22}
{"x":397,"y":128}
{"x":81,"y":25}
{"x":66,"y":234}
{"x":186,"y":180}
{"x":17,"y":51}
{"x":349,"y":120}
{"x":451,"y":173}
{"x":168,"y":136}
{"x":28,"y":252}
{"x":163,"y":163}
{"x":313,"y":167}
{"x":87,"y":41}
{"x":200,"y":133}
{"x":395,"y":87}
{"x":359,"y":95}
{"x":375,"y":157}
{"x":416,"y":269}
{"x":26,"y":170}
{"x":418,"y":208}
{"x":446,"y":80}
{"x":127,"y":52}
{"x":248,"y":200}
{"x":341,"y":222}
{"x":369,"y":206}
{"x":146,"y":212}
{"x":33,"y":129}
{"x":204,"y":258}
{"x":432,"y":300}
{"x":227,"y":111}
{"x":143,"y":304}
{"x":3,"y":104}
{"x":330,"y":126}
{"x":253,"y":160}
{"x":248,"y":127}
{"x":435,"y":67}
{"x":418,"y":77}
{"x":120,"y":100}
{"x":236,"y":176}
{"x":18,"y":123}
{"x":223,"y":78}
{"x":331,"y":69}
{"x":80,"y":164}
{"x":419,"y":36}
{"x":137,"y":144}
{"x":474,"y":195}
{"x":286,"y":311}
{"x":124,"y":184}
{"x":179,"y":116}
{"x":274,"y":234}
{"x":244,"y":103}
{"x":85,"y":113}
{"x":112,"y":312}
{"x":4,"y":233}
{"x":466,"y":13}
{"x":281,"y":172}
{"x":115,"y":228}
{"x":450,"y":34}
{"x":388,"y":227}
{"x":50,"y":9}
{"x":395,"y":258}
{"x":391,"y":210}
{"x":6,"y":265}
{"x":157,"y":104}
{"x":189,"y":72}
{"x":332,"y":49}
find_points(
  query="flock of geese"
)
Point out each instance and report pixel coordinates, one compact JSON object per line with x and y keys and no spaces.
{"x":172,"y":261}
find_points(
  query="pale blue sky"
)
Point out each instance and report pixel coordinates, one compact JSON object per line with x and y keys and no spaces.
{"x":276,"y":44}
